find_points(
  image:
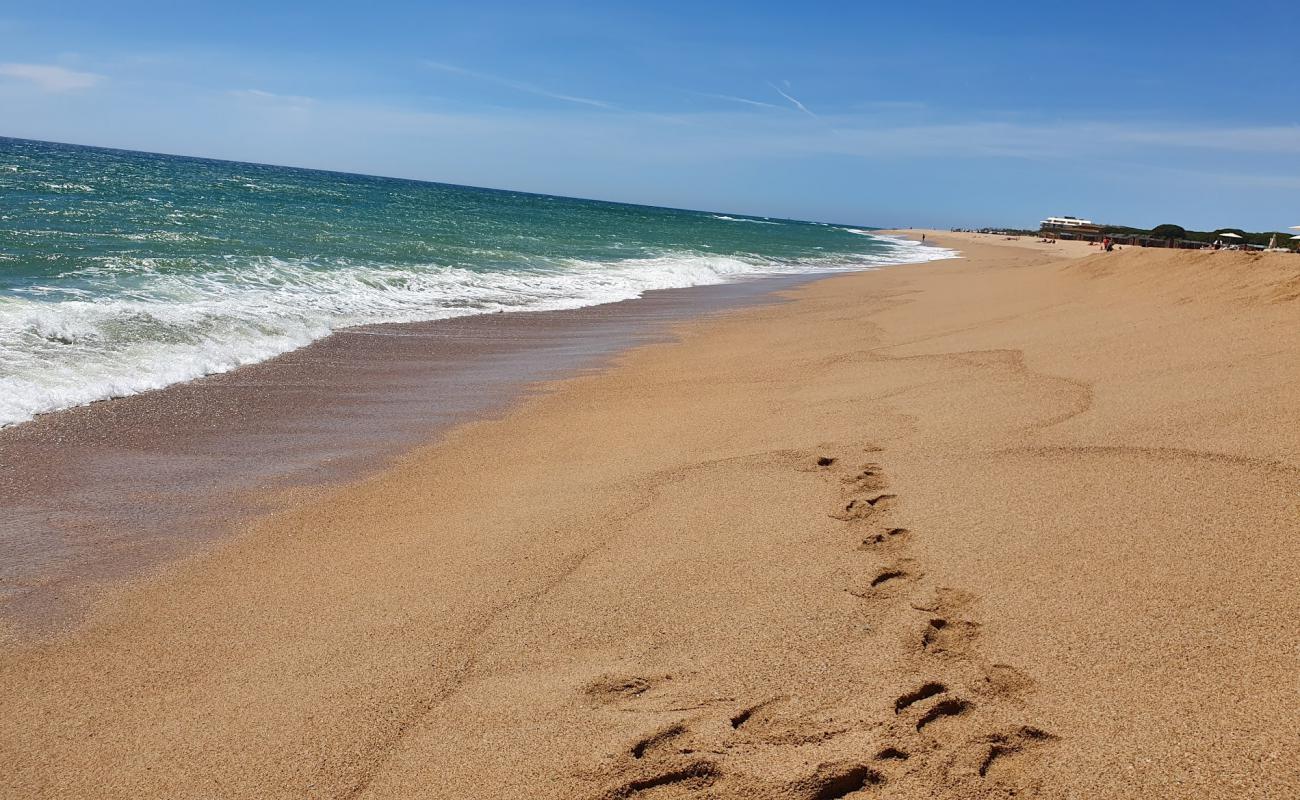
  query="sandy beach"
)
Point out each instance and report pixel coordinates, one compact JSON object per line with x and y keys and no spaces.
{"x":103,"y":492}
{"x":1020,"y":524}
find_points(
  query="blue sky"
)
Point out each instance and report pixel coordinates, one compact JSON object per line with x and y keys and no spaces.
{"x":879,"y":114}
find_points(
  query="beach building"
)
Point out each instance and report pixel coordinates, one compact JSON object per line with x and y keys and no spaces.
{"x":1067,"y":227}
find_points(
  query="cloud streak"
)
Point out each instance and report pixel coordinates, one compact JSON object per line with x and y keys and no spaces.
{"x":261,"y":95}
{"x":51,"y":78}
{"x":793,"y":101}
{"x":734,"y":99}
{"x":520,"y":86}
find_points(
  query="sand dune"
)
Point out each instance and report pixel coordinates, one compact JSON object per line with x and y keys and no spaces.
{"x":1021,"y":524}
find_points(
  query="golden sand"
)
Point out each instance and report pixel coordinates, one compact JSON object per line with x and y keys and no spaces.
{"x":1021,"y":524}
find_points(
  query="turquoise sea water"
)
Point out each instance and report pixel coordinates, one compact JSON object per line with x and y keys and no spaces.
{"x":122,"y":272}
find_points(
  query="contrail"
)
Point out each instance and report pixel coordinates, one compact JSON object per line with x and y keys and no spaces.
{"x":520,"y":86}
{"x":735,"y":99}
{"x":792,"y":99}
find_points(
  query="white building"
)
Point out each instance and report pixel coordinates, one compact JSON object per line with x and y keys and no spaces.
{"x":1060,"y":223}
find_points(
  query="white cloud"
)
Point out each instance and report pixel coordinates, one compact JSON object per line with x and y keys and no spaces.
{"x":51,"y":78}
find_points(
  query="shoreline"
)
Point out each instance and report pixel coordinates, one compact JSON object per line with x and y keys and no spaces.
{"x":1015,"y":522}
{"x":140,"y":481}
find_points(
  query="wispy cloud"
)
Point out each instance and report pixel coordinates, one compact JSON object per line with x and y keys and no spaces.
{"x":51,"y":78}
{"x":520,"y":86}
{"x":1025,"y":140}
{"x":1263,"y":139}
{"x":891,"y":105}
{"x":734,"y":99}
{"x":793,"y":101}
{"x":261,"y":95}
{"x":1138,"y":172}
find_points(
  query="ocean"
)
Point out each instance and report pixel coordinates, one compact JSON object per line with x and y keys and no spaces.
{"x":122,"y":272}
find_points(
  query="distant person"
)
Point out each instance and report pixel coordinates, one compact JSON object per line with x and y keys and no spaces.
{"x":923,"y":238}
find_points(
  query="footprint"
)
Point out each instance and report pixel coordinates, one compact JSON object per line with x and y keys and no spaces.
{"x":861,"y":508}
{"x":946,"y":601}
{"x":885,"y":581}
{"x":943,"y":636}
{"x":869,"y":478}
{"x":695,"y":775}
{"x":892,"y":754}
{"x":657,"y":741}
{"x":887,"y":575}
{"x":924,"y":692}
{"x":1002,"y":680}
{"x":953,"y":707}
{"x":885,"y":537}
{"x":609,"y":689}
{"x":1003,"y":746}
{"x":836,"y":780}
{"x":793,"y":732}
{"x":825,"y":461}
{"x":743,"y":716}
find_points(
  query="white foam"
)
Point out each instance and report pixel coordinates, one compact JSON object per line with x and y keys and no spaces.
{"x":726,"y":218}
{"x":63,"y":347}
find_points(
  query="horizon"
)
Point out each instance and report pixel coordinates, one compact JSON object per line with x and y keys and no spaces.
{"x":890,"y":116}
{"x":428,"y":181}
{"x":832,"y":222}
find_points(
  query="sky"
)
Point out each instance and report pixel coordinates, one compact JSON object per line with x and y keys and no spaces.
{"x":887,"y":114}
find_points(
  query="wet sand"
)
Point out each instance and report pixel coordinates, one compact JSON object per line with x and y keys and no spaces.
{"x":1021,"y":524}
{"x":102,"y":493}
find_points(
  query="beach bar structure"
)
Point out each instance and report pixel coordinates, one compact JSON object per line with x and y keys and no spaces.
{"x":1067,"y":227}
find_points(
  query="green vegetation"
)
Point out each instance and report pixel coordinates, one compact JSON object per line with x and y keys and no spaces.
{"x":1177,"y":232}
{"x":1169,"y":232}
{"x":1007,"y":231}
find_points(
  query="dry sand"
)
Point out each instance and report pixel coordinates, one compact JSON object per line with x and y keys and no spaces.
{"x":1022,"y":524}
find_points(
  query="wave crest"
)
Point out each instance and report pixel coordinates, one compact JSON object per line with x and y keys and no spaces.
{"x":132,"y":325}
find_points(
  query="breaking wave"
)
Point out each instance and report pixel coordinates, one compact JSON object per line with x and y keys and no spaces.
{"x":124,"y":326}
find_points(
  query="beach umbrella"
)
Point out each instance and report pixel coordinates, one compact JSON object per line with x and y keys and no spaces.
{"x":1295,"y":238}
{"x":1295,"y":227}
{"x":1229,"y":235}
{"x":1272,"y":242}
